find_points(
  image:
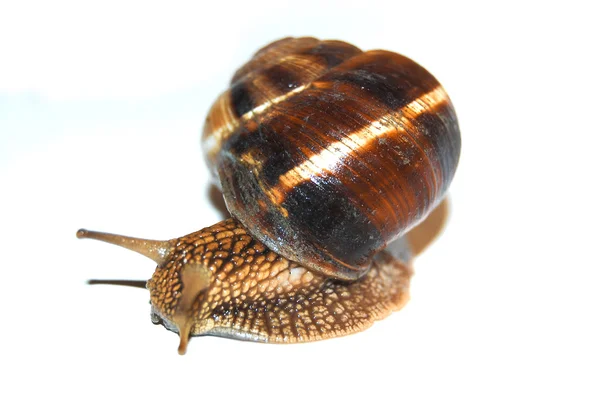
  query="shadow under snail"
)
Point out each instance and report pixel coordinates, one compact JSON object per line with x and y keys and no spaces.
{"x":325,"y":154}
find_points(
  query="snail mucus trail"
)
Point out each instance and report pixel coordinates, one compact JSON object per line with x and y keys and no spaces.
{"x":325,"y":155}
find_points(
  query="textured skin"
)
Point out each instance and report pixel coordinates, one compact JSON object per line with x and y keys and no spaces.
{"x":328,"y":153}
{"x":220,"y":281}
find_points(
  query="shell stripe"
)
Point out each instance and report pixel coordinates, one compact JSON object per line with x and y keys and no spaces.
{"x":329,"y":157}
{"x":230,"y":122}
{"x":347,"y":163}
{"x":269,"y":78}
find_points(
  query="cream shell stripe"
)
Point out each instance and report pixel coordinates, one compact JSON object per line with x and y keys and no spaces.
{"x":231,"y":122}
{"x":325,"y":160}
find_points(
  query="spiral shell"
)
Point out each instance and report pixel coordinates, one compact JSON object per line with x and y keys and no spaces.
{"x":326,"y":153}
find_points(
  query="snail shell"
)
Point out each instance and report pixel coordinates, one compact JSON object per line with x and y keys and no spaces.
{"x":325,"y":154}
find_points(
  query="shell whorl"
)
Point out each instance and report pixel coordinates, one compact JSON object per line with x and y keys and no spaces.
{"x":326,"y":153}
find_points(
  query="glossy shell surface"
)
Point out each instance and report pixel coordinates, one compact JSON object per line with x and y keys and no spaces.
{"x":326,"y":153}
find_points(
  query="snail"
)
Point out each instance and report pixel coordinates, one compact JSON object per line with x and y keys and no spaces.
{"x":325,"y":154}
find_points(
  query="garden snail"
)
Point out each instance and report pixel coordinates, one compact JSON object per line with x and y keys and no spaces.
{"x":325,"y":154}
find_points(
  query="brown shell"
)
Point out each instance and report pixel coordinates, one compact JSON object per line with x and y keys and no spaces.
{"x":326,"y":153}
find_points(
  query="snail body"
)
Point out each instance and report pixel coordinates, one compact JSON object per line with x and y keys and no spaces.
{"x":325,"y":154}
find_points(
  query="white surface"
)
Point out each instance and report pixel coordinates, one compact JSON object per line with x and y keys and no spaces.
{"x":100,"y":112}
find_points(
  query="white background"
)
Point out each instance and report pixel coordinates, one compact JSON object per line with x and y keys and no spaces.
{"x":101,"y":105}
